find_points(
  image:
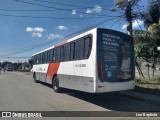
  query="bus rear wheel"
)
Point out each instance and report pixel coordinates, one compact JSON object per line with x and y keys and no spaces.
{"x":34,"y":77}
{"x":55,"y":84}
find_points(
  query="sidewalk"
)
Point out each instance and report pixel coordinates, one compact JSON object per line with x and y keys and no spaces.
{"x":139,"y":95}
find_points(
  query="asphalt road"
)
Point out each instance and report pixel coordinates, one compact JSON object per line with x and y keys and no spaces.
{"x":18,"y":92}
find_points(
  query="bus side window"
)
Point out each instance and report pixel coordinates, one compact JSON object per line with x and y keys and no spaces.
{"x":45,"y":61}
{"x":62,"y":53}
{"x":54,"y":55}
{"x":58,"y":54}
{"x":67,"y":52}
{"x":40,"y":55}
{"x":72,"y":51}
{"x":39,"y":59}
{"x":79,"y":49}
{"x":50,"y":55}
{"x":43,"y":58}
{"x":36,"y":59}
{"x":87,"y":47}
{"x":33,"y":58}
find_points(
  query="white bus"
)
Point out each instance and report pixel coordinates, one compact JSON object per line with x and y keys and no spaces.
{"x":99,"y":60}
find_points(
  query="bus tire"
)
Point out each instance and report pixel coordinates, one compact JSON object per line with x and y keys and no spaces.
{"x":34,"y":77}
{"x":55,"y":84}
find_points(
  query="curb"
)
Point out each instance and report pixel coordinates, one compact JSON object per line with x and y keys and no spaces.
{"x":142,"y":96}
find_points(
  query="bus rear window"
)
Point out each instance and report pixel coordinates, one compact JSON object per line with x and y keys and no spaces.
{"x":115,"y":56}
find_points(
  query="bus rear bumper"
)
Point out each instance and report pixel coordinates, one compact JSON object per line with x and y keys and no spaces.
{"x":116,"y":86}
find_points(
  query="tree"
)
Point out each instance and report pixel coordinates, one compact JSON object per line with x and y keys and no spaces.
{"x":148,"y":41}
{"x":153,"y":14}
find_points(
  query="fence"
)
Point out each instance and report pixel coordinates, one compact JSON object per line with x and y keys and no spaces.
{"x":148,"y":70}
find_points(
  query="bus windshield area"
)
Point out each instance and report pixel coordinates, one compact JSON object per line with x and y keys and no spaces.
{"x":115,"y":56}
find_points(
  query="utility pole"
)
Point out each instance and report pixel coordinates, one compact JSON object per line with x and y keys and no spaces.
{"x":129,"y":19}
{"x":153,"y":62}
{"x":128,"y":12}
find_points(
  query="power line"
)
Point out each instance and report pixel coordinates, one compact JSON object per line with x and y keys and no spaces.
{"x":71,"y":5}
{"x":62,"y":9}
{"x":41,"y":17}
{"x":21,"y":10}
{"x":91,"y":27}
{"x":25,"y":50}
{"x":138,"y":23}
{"x":72,"y":34}
{"x":122,"y":22}
{"x":15,"y":57}
{"x":26,"y":10}
{"x":114,"y":23}
{"x":27,"y":46}
{"x":56,"y":40}
{"x":140,"y":9}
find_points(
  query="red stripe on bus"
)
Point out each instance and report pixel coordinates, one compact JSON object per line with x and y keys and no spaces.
{"x":62,"y":43}
{"x":52,"y":69}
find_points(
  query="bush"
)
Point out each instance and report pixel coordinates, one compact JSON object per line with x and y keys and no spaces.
{"x":138,"y":80}
{"x":158,"y":79}
{"x":142,"y":81}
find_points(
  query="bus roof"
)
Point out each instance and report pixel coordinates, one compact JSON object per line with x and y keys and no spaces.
{"x":66,"y":41}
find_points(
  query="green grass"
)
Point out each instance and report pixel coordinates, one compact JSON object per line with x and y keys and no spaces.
{"x":147,"y":81}
{"x":148,"y":86}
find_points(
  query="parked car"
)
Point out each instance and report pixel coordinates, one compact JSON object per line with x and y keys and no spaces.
{"x":9,"y":68}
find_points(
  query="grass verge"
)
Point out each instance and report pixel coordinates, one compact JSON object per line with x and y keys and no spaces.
{"x":148,"y":86}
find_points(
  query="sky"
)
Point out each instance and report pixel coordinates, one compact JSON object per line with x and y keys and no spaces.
{"x":27,"y":26}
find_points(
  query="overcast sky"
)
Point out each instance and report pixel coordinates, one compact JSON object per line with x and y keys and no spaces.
{"x":26,"y":23}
